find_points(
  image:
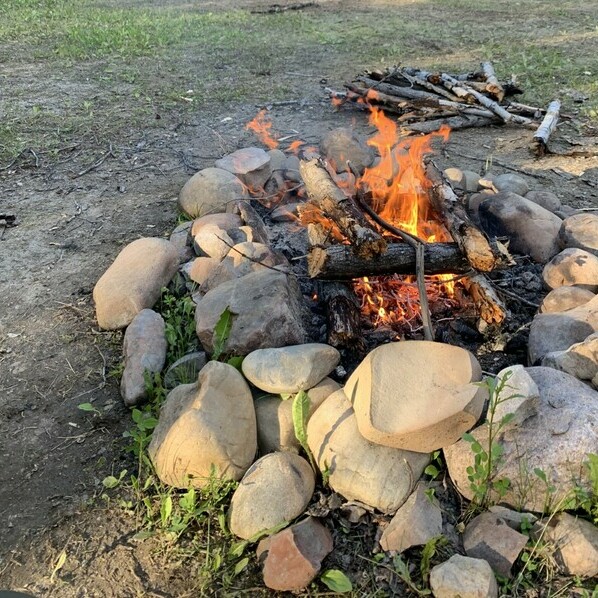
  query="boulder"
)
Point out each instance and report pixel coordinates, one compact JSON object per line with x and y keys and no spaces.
{"x":511,"y":183}
{"x":266,"y":308}
{"x":242,"y":259}
{"x":531,"y":229}
{"x":558,"y":331}
{"x":180,"y":237}
{"x":276,"y":489}
{"x":134,"y":281}
{"x":463,"y":577}
{"x":292,"y":558}
{"x":572,"y":267}
{"x":436,"y":402}
{"x":290,"y":369}
{"x":489,"y":537}
{"x":212,"y":241}
{"x":275,"y":430}
{"x":343,"y":145}
{"x":201,"y":268}
{"x":520,"y":395}
{"x":575,"y":543}
{"x":185,"y":370}
{"x":556,"y":441}
{"x":549,"y":201}
{"x":463,"y":180}
{"x":579,"y":360}
{"x":144,"y":349}
{"x":209,"y":191}
{"x":205,"y":427}
{"x":226,"y":222}
{"x":565,"y":298}
{"x":251,"y":165}
{"x":416,"y":522}
{"x":378,"y":476}
{"x":580,"y":231}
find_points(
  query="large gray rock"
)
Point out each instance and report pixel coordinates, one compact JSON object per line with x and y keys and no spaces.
{"x":511,"y":183}
{"x":342,"y":145}
{"x":556,"y":441}
{"x":242,"y":259}
{"x":558,"y":331}
{"x":379,"y":476}
{"x":572,"y":267}
{"x":134,"y":281}
{"x":549,"y":201}
{"x":521,"y":395}
{"x":290,"y":369}
{"x":204,"y":427}
{"x":489,"y":537}
{"x":275,"y":429}
{"x":579,"y":360}
{"x":575,"y":542}
{"x":292,"y":557}
{"x":250,"y":164}
{"x":144,"y":349}
{"x":276,"y":489}
{"x":415,"y":523}
{"x":565,"y":298}
{"x":210,"y":191}
{"x":581,"y":231}
{"x":463,"y":577}
{"x":436,"y":402}
{"x":531,"y":229}
{"x":266,"y":308}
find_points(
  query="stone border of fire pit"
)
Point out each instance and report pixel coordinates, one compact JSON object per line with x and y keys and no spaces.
{"x":256,"y":385}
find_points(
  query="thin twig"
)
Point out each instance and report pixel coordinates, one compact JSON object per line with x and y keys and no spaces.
{"x":95,"y":165}
{"x":252,"y":259}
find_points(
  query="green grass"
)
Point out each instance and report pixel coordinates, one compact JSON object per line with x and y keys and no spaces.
{"x":233,"y":56}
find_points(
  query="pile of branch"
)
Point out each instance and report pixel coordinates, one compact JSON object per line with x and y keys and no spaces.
{"x":367,"y":252}
{"x":425,"y":101}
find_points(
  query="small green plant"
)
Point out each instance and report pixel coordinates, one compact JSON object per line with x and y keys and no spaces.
{"x":89,"y":408}
{"x":222,"y":332}
{"x":337,"y":581}
{"x":436,"y":465}
{"x":488,"y":454}
{"x":300,"y":413}
{"x":179,"y":324}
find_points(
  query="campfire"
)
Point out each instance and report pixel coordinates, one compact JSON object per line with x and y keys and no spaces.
{"x":380,"y":244}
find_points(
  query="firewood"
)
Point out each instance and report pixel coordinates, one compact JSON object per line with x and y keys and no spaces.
{"x":546,"y":128}
{"x":474,"y":244}
{"x":465,"y":94}
{"x":421,"y":78}
{"x":339,"y":262}
{"x":454,"y":122}
{"x":343,"y":316}
{"x":491,"y":309}
{"x":323,"y":192}
{"x":492,"y":84}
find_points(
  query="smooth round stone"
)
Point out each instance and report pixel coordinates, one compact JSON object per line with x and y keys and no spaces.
{"x":570,"y":267}
{"x":276,"y":489}
{"x":343,"y":145}
{"x":564,"y":298}
{"x":546,"y":199}
{"x":290,"y":369}
{"x":511,"y":182}
{"x":581,"y":231}
{"x":224,"y":221}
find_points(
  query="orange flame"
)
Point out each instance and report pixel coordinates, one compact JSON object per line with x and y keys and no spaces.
{"x":261,"y":126}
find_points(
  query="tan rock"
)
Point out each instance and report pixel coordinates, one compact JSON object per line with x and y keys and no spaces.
{"x":224,"y":221}
{"x":290,"y":369}
{"x":207,"y":424}
{"x":275,"y":428}
{"x":434,"y":403}
{"x":463,"y":577}
{"x":276,"y":489}
{"x":581,"y":231}
{"x":250,"y":164}
{"x":201,"y":268}
{"x":416,"y":522}
{"x":572,"y":267}
{"x":579,"y":360}
{"x":565,"y":298}
{"x":134,"y":281}
{"x":378,"y":476}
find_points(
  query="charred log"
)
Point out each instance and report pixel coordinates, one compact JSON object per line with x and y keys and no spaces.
{"x":343,"y":316}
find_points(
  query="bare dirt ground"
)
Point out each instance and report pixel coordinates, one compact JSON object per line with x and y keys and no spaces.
{"x":75,"y":210}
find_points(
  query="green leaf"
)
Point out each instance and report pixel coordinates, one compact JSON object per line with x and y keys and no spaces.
{"x":187,"y":501}
{"x":300,"y":412}
{"x":110,"y":482}
{"x":142,"y":535}
{"x":166,"y":510}
{"x":221,"y":332}
{"x":336,"y":581}
{"x":235,"y":361}
{"x":285,"y":396}
{"x":468,"y":437}
{"x":241,"y":565}
{"x":238,"y":548}
{"x":432,"y":471}
{"x":87,"y":407}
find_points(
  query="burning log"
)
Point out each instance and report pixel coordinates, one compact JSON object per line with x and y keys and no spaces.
{"x":343,"y":317}
{"x":471,"y":240}
{"x":339,"y":262}
{"x":323,"y":192}
{"x":545,"y":130}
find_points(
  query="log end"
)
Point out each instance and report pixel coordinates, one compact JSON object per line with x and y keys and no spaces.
{"x":316,"y":261}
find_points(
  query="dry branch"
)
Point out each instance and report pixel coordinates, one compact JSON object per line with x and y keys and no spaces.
{"x":340,"y":209}
{"x":546,"y":128}
{"x":492,"y":84}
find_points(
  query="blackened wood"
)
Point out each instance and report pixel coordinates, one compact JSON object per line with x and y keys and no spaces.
{"x":343,"y":316}
{"x":339,"y":262}
{"x":324,"y":193}
{"x":464,"y":121}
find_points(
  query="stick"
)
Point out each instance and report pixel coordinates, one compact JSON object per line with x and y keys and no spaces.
{"x":454,"y":122}
{"x":545,"y":130}
{"x":492,"y":84}
{"x":491,"y":309}
{"x":338,"y":207}
{"x":343,"y":316}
